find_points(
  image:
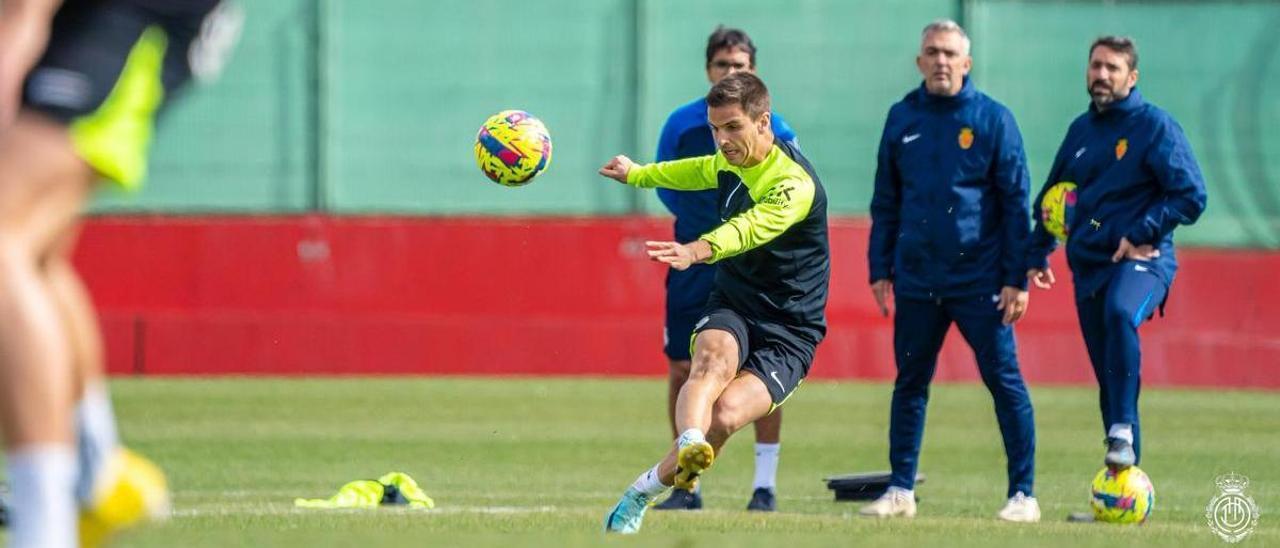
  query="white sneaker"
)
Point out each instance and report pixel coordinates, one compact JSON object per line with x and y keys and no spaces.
{"x":1021,"y":508}
{"x":893,"y":503}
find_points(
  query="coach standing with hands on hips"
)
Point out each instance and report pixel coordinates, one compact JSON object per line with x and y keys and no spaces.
{"x":950,"y":220}
{"x":1136,"y":180}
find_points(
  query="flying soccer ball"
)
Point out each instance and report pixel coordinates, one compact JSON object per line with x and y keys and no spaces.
{"x":1057,"y":208}
{"x":513,"y":147}
{"x":1122,"y":496}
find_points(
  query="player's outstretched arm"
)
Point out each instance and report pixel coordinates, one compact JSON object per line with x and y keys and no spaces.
{"x":697,"y":173}
{"x":617,"y":168}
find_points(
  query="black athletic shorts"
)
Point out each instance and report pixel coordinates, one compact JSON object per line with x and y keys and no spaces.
{"x":778,"y":354}
{"x":110,"y":65}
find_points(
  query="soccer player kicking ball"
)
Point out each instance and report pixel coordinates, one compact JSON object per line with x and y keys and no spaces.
{"x":764,"y":319}
{"x":1137,"y":180}
{"x":687,"y":135}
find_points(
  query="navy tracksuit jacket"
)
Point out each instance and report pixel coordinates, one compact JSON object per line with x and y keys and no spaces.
{"x":1136,"y":178}
{"x":950,"y":221}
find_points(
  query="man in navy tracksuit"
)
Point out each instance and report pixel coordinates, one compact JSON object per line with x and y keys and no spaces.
{"x":686,"y":134}
{"x":1136,"y":181}
{"x":949,"y":225}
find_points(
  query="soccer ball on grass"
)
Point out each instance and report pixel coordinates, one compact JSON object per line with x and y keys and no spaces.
{"x":1122,"y":496}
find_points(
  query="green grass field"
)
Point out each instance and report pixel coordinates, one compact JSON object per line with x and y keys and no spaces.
{"x":536,"y":461}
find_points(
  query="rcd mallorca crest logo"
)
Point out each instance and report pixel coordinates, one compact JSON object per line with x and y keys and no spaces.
{"x":965,"y":138}
{"x":1232,"y":515}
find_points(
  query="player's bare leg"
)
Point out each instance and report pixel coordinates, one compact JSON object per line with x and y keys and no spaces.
{"x":742,"y":402}
{"x":95,"y":423}
{"x":715,"y":364}
{"x":75,"y":308}
{"x":677,"y":375}
{"x":769,"y":428}
{"x":115,"y":488}
{"x":110,"y":479}
{"x":42,"y":190}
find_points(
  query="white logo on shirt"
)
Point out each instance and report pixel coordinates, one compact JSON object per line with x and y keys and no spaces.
{"x":1081,"y":151}
{"x":1139,"y":268}
{"x":702,"y":322}
{"x":728,"y":199}
{"x":909,"y":138}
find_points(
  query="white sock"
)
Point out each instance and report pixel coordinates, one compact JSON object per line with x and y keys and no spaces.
{"x":911,"y":493}
{"x":97,"y":439}
{"x":1122,"y":431}
{"x":692,"y":435}
{"x":649,"y":484}
{"x":766,"y":465}
{"x":42,"y":484}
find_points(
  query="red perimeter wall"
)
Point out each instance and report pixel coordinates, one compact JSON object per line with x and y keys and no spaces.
{"x":356,"y":295}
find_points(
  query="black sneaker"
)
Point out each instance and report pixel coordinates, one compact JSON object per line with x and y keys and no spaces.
{"x":681,"y":500}
{"x":1119,"y":453}
{"x":762,"y":500}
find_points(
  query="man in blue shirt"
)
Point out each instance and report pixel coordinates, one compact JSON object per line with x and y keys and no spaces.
{"x":949,"y":223}
{"x":1136,"y":180}
{"x":687,"y":135}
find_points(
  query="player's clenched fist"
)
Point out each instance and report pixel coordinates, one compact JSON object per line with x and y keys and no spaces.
{"x":618,"y":168}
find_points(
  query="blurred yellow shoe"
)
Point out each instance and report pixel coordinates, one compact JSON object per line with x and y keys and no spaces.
{"x":133,"y":490}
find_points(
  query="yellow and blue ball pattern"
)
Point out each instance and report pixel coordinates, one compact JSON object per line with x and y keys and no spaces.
{"x":513,"y":147}
{"x":1122,"y":496}
{"x":1057,"y":208}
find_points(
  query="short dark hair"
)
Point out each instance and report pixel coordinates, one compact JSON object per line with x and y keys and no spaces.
{"x":1120,"y":44}
{"x":726,"y":37}
{"x":741,"y":88}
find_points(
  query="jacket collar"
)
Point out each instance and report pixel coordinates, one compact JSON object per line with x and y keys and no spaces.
{"x":967,"y":93}
{"x":1124,"y":106}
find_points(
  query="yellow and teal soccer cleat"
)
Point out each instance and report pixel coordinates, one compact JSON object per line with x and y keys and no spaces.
{"x":133,"y":490}
{"x":627,"y":516}
{"x":692,"y":459}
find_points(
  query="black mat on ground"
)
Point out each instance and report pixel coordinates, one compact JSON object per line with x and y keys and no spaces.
{"x":862,"y":486}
